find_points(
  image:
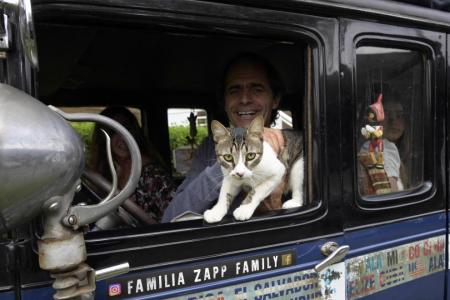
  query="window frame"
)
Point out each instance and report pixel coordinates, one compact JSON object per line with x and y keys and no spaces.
{"x":427,"y":189}
{"x":356,"y":217}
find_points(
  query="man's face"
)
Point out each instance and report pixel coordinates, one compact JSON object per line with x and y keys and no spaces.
{"x":248,"y":94}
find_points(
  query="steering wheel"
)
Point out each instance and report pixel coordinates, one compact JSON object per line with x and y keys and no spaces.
{"x":129,"y":212}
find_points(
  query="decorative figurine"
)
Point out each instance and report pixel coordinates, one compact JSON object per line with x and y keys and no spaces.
{"x":374,"y":132}
{"x":377,"y":181}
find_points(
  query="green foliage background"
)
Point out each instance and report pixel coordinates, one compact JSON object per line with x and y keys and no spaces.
{"x":178,"y":134}
{"x":85,"y":130}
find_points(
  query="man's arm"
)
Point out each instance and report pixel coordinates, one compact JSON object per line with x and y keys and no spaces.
{"x":201,"y":186}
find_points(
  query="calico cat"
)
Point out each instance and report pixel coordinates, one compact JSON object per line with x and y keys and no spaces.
{"x":250,"y":163}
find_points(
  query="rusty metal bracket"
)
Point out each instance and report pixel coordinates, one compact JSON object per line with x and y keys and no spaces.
{"x":71,"y":284}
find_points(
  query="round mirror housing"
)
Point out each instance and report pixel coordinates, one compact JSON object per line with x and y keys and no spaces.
{"x":40,"y":156}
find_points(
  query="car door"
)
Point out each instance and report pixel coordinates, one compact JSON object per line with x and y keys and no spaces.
{"x":207,"y":261}
{"x":397,"y":238}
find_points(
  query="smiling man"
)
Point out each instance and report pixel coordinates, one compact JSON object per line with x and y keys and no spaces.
{"x":248,"y":92}
{"x":251,"y":86}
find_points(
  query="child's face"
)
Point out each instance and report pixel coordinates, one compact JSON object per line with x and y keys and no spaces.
{"x":394,"y":122}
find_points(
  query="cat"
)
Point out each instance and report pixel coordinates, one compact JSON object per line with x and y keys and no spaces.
{"x":250,"y":163}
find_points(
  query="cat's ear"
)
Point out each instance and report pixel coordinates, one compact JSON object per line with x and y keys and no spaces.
{"x":256,"y":126}
{"x":219,"y":131}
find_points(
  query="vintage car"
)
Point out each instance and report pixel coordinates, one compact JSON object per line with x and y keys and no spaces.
{"x":351,"y":239}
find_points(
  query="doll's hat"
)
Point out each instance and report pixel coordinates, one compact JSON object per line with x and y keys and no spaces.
{"x":377,"y":108}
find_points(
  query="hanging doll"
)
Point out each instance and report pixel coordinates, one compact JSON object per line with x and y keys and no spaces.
{"x":372,"y":159}
{"x":374,"y":132}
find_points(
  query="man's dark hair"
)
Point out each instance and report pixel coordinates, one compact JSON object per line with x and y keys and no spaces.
{"x":275,"y":82}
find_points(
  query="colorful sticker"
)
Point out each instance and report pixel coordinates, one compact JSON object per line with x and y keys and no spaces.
{"x":328,"y":284}
{"x":381,"y":270}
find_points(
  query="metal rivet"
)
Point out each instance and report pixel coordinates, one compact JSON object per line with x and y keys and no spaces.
{"x":72,"y":220}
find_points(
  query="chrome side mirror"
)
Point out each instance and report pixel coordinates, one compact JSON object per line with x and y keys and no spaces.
{"x":41,"y":161}
{"x":41,"y":157}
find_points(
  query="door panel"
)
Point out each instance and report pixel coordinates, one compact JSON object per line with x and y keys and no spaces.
{"x":386,"y":260}
{"x":397,"y":238}
{"x":165,"y":251}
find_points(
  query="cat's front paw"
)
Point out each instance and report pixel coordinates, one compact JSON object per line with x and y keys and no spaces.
{"x":243,"y":212}
{"x":214,"y":215}
{"x":292,"y":203}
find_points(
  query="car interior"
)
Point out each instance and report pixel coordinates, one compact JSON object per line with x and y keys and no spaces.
{"x":156,"y":66}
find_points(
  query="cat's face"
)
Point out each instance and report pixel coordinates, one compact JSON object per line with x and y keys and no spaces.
{"x":239,"y":150}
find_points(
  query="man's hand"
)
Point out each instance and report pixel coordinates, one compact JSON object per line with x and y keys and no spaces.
{"x":275,"y":139}
{"x":274,"y":200}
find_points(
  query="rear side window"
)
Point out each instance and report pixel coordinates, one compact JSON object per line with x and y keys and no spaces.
{"x":391,"y":101}
{"x":187,"y":129}
{"x":192,"y":91}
